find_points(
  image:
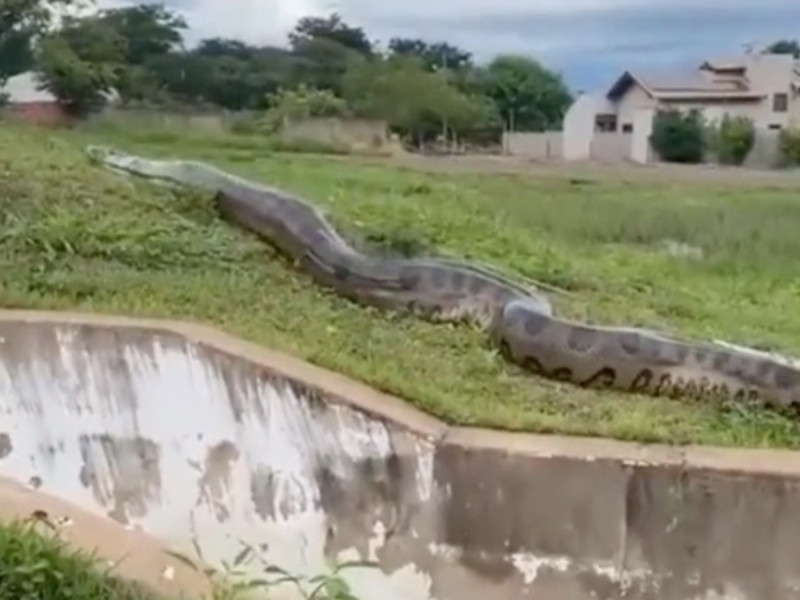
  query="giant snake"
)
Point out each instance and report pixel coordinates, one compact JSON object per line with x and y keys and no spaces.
{"x":519,"y":320}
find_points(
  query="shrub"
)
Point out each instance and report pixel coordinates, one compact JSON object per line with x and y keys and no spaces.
{"x":300,"y":104}
{"x":678,"y":137}
{"x":789,"y":146}
{"x":731,"y":139}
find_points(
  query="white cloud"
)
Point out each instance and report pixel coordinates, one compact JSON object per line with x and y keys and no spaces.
{"x":254,"y":21}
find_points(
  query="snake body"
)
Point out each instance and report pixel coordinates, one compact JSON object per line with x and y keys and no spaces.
{"x":519,"y":320}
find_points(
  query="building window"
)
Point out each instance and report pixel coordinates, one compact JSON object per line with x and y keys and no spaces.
{"x":780,"y":102}
{"x":605,"y":123}
{"x":627,"y":128}
{"x":774,"y":126}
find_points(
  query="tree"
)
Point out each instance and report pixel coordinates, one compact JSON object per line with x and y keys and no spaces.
{"x":322,"y":62}
{"x":20,"y":22}
{"x":434,"y":56}
{"x":226,"y":73}
{"x":413,"y":100}
{"x":79,"y":63}
{"x":331,"y":28}
{"x":528,"y":96}
{"x":217,"y":47}
{"x":185,"y":76}
{"x":784,"y":47}
{"x":148,"y":30}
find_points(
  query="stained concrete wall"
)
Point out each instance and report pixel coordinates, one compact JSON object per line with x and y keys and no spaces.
{"x":197,"y":437}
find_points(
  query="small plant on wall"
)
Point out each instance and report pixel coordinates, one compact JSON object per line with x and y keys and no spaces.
{"x":679,"y":136}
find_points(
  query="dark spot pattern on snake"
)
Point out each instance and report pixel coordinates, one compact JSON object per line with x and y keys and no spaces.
{"x":630,"y":342}
{"x":604,"y":378}
{"x":439,"y":278}
{"x":410,"y":279}
{"x":642,"y":380}
{"x":535,"y":323}
{"x":720,"y":361}
{"x":681,"y":352}
{"x":562,"y":374}
{"x":477,"y":285}
{"x":786,"y":377}
{"x":581,"y":339}
{"x":532,"y":364}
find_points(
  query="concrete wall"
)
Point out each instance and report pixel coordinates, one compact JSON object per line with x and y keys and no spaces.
{"x":212,"y":121}
{"x":610,"y":146}
{"x":534,"y":145}
{"x":351,"y":135}
{"x":193,"y":435}
{"x":36,"y":113}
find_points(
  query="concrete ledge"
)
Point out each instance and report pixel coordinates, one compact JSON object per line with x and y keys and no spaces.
{"x":340,"y":388}
{"x":287,"y":450}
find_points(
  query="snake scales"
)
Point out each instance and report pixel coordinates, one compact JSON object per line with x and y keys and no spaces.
{"x":519,"y":320}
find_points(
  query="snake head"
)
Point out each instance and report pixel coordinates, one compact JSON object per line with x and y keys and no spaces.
{"x":99,"y":153}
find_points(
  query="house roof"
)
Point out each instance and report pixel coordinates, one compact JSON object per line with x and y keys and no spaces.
{"x":24,"y":88}
{"x":682,"y":85}
{"x":725,"y":64}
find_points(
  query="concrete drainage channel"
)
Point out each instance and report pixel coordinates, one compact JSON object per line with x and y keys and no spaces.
{"x":203,"y":440}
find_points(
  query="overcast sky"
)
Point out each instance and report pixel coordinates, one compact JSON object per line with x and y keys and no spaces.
{"x":590,"y":41}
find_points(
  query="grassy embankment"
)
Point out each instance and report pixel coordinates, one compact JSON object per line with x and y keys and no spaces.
{"x":76,"y":237}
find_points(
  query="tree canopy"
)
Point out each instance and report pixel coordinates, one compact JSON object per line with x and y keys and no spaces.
{"x":784,"y":47}
{"x":421,"y":88}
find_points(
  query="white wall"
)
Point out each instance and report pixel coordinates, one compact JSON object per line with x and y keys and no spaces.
{"x":579,"y":128}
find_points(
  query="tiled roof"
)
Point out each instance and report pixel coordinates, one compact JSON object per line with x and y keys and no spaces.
{"x":694,"y":84}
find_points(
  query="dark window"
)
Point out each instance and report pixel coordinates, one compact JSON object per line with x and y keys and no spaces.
{"x":780,"y":102}
{"x":627,"y":127}
{"x":774,"y":126}
{"x":605,"y":123}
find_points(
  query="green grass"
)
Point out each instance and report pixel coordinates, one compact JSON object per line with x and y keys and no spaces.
{"x":40,"y":566}
{"x":76,"y":237}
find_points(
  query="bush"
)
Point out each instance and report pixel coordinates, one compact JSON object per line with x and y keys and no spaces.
{"x":300,"y":104}
{"x":678,"y":137}
{"x":732,"y":139}
{"x":789,"y":146}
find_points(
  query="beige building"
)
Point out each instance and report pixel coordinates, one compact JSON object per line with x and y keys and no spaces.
{"x":763,"y":87}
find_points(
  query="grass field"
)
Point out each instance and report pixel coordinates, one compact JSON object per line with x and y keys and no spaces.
{"x":76,"y":237}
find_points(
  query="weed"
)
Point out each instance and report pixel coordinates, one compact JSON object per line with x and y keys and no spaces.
{"x":234,"y":581}
{"x":36,"y":564}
